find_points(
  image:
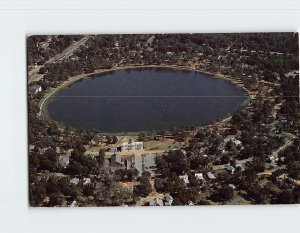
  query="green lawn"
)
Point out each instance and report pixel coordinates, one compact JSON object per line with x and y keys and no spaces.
{"x":166,"y":144}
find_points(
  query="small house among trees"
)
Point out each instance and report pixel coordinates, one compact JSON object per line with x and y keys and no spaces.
{"x":34,"y":89}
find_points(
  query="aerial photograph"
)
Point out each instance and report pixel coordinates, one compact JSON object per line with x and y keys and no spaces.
{"x":163,"y":119}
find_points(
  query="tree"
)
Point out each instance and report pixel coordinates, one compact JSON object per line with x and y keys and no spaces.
{"x":142,"y":136}
{"x":162,"y":166}
{"x":229,"y":145}
{"x":114,"y":139}
{"x":101,"y":157}
{"x":296,"y":194}
{"x":56,"y":199}
{"x":223,"y":194}
{"x":48,"y":165}
{"x":145,"y":187}
{"x":109,"y":139}
{"x":179,"y":161}
{"x":258,"y":194}
{"x":75,"y":168}
{"x":225,"y":159}
{"x":88,"y":190}
{"x":37,"y":193}
{"x":175,"y":161}
{"x":198,"y":161}
{"x":248,"y":176}
{"x":51,"y":154}
{"x":286,"y":197}
{"x":200,"y":136}
{"x":116,"y":195}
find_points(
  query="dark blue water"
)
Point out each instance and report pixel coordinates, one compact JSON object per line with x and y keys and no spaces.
{"x":145,"y":99}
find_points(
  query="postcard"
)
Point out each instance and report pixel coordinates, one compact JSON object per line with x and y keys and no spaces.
{"x":163,"y":119}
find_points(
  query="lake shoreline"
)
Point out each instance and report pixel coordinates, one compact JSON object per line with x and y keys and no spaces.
{"x":45,"y":100}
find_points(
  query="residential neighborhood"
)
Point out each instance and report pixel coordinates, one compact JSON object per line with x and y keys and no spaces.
{"x":250,"y":156}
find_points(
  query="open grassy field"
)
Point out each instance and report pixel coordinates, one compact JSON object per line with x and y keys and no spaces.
{"x":165,"y":144}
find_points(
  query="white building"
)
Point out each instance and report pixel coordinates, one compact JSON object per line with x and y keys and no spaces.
{"x":185,"y":178}
{"x":232,"y":186}
{"x":156,"y":202}
{"x":86,"y":181}
{"x":74,"y":181}
{"x":34,"y":89}
{"x":168,"y":200}
{"x":237,"y":142}
{"x":125,"y":144}
{"x":211,"y":176}
{"x":199,"y":176}
{"x":141,"y":163}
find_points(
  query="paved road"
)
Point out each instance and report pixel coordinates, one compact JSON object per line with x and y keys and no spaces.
{"x":267,"y":172}
{"x":286,"y":144}
{"x":33,"y":74}
{"x":238,"y":162}
{"x":68,"y":51}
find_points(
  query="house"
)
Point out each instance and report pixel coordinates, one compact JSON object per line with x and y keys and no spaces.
{"x":74,"y":204}
{"x":190,"y":203}
{"x":128,"y":144}
{"x":133,"y":52}
{"x":232,"y":186}
{"x":274,"y":156}
{"x":211,"y":176}
{"x":86,"y":181}
{"x":156,"y":202}
{"x":74,"y":181}
{"x":237,"y":142}
{"x":183,"y":152}
{"x":149,"y":49}
{"x":168,"y":200}
{"x":63,"y":160}
{"x":229,"y":168}
{"x":34,"y":89}
{"x":202,"y":150}
{"x":148,"y":164}
{"x":199,"y":176}
{"x":116,"y":160}
{"x":128,"y":163}
{"x":185,"y":178}
{"x":150,"y":40}
{"x":43,"y":45}
{"x":141,"y":163}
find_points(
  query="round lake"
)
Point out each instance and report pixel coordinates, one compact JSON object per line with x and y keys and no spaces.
{"x":144,"y":99}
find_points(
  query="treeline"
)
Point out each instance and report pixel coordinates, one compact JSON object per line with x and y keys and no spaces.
{"x":105,"y":51}
{"x":41,"y":47}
